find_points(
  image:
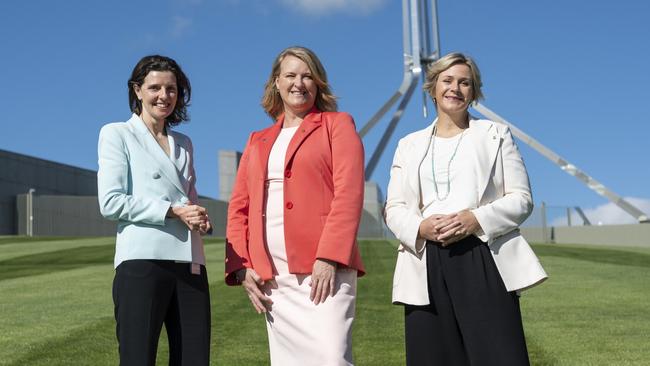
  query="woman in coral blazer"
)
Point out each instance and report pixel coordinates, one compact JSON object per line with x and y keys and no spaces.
{"x":294,"y":214}
{"x":458,"y":192}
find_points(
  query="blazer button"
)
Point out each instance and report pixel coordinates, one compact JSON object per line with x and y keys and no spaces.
{"x":287,"y":174}
{"x":289,"y":205}
{"x":155,"y":175}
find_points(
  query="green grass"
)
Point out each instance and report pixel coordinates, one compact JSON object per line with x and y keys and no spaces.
{"x":593,"y":310}
{"x":56,"y":307}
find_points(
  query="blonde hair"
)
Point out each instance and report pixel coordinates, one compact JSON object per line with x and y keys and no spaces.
{"x":447,"y":61}
{"x":325,"y":99}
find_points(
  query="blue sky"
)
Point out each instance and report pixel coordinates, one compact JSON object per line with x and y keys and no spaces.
{"x":572,"y":74}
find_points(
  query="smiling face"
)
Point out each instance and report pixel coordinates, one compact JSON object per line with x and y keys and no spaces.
{"x":296,"y":85}
{"x":158,"y":95}
{"x":454,"y":92}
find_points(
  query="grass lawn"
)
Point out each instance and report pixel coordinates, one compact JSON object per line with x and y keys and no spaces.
{"x":56,"y":307}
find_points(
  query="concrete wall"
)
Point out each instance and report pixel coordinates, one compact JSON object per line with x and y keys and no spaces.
{"x":79,"y":216}
{"x":218,"y":212}
{"x":370,"y":227}
{"x":228,"y":164}
{"x":63,"y":216}
{"x":65,"y":199}
{"x":65,"y":202}
{"x":533,"y":234}
{"x":372,"y":219}
{"x":634,"y":235}
{"x":19,"y":173}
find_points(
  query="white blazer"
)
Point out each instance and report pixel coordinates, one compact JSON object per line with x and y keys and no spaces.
{"x":137,"y":183}
{"x":505,"y":202}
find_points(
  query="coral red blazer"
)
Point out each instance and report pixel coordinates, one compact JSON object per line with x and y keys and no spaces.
{"x":323,"y":197}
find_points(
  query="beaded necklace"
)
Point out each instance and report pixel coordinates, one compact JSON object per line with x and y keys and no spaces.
{"x":433,"y":167}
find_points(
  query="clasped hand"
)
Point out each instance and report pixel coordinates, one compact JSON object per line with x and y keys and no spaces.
{"x":194,"y":216}
{"x":448,"y":229}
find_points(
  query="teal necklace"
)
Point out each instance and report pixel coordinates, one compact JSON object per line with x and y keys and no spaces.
{"x":433,"y":166}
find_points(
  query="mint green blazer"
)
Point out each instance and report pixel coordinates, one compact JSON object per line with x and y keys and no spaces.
{"x":137,"y":183}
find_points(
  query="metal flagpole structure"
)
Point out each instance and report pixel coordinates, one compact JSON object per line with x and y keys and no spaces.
{"x":571,"y":169}
{"x":417,"y":53}
{"x":419,"y":31}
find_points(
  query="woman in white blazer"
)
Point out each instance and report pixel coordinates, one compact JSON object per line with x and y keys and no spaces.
{"x":146,"y":182}
{"x":458,"y":192}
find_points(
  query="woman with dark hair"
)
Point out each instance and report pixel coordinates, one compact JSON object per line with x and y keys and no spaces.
{"x":146,"y":182}
{"x":457,"y":194}
{"x":294,"y":214}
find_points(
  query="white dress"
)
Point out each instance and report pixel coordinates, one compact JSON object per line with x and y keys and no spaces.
{"x":301,"y":333}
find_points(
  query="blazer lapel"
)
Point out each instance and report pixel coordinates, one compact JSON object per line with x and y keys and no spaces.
{"x":155,"y":152}
{"x":265,"y":143}
{"x":311,"y":122}
{"x":420,"y":147}
{"x":486,"y":141}
{"x":180,"y":159}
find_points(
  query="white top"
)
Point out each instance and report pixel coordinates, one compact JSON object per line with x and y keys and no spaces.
{"x":274,"y":203}
{"x":463,"y":180}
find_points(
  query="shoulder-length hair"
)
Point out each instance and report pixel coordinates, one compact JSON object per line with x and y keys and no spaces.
{"x":447,"y":61}
{"x":161,"y":63}
{"x":325,"y":99}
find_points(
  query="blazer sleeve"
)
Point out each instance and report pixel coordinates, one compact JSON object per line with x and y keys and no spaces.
{"x":401,"y":217}
{"x":237,"y":256}
{"x":113,"y":190}
{"x":509,"y":211}
{"x":338,"y":238}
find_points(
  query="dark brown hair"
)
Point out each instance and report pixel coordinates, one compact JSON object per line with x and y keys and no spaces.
{"x":161,"y":63}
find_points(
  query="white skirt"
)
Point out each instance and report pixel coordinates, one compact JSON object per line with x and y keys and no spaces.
{"x":303,"y":334}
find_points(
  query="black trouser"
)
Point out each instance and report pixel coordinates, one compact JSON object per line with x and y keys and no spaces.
{"x":148,"y":293}
{"x":472,"y":319}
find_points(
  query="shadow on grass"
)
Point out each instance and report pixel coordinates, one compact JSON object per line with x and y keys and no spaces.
{"x":537,"y":354}
{"x":60,"y":260}
{"x":93,"y":344}
{"x":239,"y":334}
{"x":598,"y":255}
{"x":209,"y":240}
{"x":27,"y":239}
